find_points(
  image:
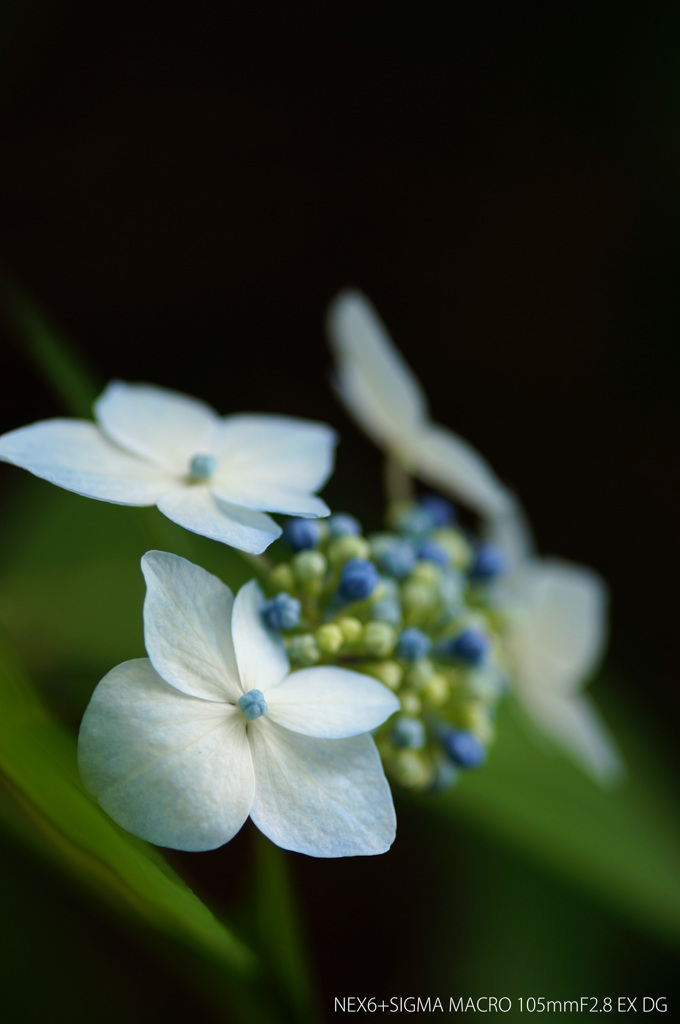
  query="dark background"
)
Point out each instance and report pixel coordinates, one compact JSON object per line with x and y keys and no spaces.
{"x":184,"y":189}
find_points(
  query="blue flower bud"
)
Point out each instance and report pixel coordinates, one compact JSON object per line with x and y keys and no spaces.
{"x":281,"y":612}
{"x":488,"y":563}
{"x":358,"y":580}
{"x":442,"y":512}
{"x":463,"y":748}
{"x":445,"y":777}
{"x":411,"y":520}
{"x":408,"y":732}
{"x":430,"y":551}
{"x":470,"y":647}
{"x":252,"y":704}
{"x":341,"y":525}
{"x":413,"y":644}
{"x":386,"y":610}
{"x":394,"y":557}
{"x":302,"y":533}
{"x":202,"y":467}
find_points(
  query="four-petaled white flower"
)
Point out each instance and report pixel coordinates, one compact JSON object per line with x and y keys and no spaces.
{"x":217,"y":476}
{"x":386,"y":399}
{"x":555,"y":641}
{"x":182,"y":747}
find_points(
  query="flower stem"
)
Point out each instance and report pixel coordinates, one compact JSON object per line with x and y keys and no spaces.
{"x":398,"y":483}
{"x":280,"y":932}
{"x":260,"y":563}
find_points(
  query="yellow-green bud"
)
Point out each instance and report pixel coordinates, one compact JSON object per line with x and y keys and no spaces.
{"x":476,"y":718}
{"x":389,"y":673}
{"x":379,"y":638}
{"x":420,"y":673}
{"x":329,"y":638}
{"x":281,"y":577}
{"x":437,"y":688}
{"x":456,"y":546}
{"x":350,"y":628}
{"x":419,"y":600}
{"x":410,"y":702}
{"x":425,"y":572}
{"x":309,"y":566}
{"x":348,"y":546}
{"x":303,"y":649}
{"x":412,"y":769}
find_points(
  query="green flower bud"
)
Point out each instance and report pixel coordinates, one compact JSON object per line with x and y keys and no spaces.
{"x":348,"y":546}
{"x":456,"y":546}
{"x":350,"y":628}
{"x":426,"y":572}
{"x":419,"y":674}
{"x":329,"y":638}
{"x":437,"y":689}
{"x":281,"y":577}
{"x":475,"y":717}
{"x":410,"y":702}
{"x":309,"y":566}
{"x":412,"y":769}
{"x":303,"y":649}
{"x":389,"y":673}
{"x":379,"y":638}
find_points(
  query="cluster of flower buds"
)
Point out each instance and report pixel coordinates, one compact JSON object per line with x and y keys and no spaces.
{"x":415,"y":606}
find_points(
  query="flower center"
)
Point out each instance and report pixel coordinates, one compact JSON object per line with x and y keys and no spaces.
{"x":252,"y":704}
{"x":202,"y":467}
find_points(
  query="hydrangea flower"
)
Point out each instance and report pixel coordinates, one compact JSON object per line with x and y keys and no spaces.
{"x":555,"y":642}
{"x":217,"y":476}
{"x":384,"y":396}
{"x":182,"y":747}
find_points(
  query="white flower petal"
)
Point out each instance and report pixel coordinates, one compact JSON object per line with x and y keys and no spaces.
{"x":330,"y":702}
{"x":326,"y":798}
{"x":511,"y":531}
{"x":574,"y":723}
{"x":452,"y":465}
{"x":279,"y":453}
{"x":74,"y":454}
{"x":169,"y":768}
{"x":267,"y":497}
{"x":260,"y":652}
{"x":197,"y":510}
{"x":562,"y":634}
{"x":377,"y":385}
{"x":162,"y":425}
{"x":187,"y":628}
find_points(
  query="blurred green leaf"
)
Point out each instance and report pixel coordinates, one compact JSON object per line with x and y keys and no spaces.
{"x":623,"y":845}
{"x":38,"y":760}
{"x":55,"y":358}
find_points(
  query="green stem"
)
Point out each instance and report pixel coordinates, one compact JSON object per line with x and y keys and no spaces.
{"x":280,"y":931}
{"x":260,"y":563}
{"x":398,"y":483}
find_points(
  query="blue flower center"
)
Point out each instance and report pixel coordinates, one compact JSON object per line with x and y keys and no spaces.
{"x":202,"y":467}
{"x":252,"y":704}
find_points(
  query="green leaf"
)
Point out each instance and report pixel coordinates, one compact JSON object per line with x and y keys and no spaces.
{"x":55,"y":358}
{"x":622,"y":846}
{"x":38,"y":761}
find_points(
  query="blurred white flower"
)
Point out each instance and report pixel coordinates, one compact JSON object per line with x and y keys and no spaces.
{"x":217,"y":476}
{"x":555,"y":642}
{"x":386,"y":399}
{"x":181,"y":748}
